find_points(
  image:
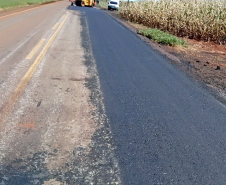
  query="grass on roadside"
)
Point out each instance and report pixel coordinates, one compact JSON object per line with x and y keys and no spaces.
{"x":103,"y":4}
{"x":162,"y":37}
{"x":6,"y":4}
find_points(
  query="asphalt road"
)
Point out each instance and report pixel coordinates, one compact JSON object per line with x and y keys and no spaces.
{"x":85,"y":101}
{"x":166,"y":128}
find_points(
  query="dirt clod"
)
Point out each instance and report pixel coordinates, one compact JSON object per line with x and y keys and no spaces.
{"x":218,"y":68}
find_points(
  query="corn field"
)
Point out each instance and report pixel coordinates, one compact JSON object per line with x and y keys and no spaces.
{"x":194,"y":19}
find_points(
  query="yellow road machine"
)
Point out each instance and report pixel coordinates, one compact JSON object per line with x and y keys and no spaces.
{"x":89,"y":3}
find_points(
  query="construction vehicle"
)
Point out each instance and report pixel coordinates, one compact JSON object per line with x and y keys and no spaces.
{"x":89,"y":3}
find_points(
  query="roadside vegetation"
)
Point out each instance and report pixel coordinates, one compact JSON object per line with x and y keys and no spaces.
{"x":162,"y":37}
{"x":103,"y":4}
{"x":6,"y":4}
{"x":195,"y":19}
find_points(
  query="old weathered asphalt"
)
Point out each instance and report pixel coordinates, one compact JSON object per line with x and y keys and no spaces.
{"x":167,"y":129}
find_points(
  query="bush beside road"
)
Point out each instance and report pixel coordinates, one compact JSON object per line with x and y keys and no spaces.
{"x":162,"y":37}
{"x":103,"y":4}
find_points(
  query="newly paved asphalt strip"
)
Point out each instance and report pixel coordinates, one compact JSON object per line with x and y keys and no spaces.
{"x":166,"y":128}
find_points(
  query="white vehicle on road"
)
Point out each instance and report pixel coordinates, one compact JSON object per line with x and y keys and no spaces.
{"x":113,"y":5}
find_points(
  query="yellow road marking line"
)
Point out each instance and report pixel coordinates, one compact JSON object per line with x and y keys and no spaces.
{"x":36,"y":48}
{"x":24,"y":11}
{"x":23,"y":83}
{"x":55,"y":26}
